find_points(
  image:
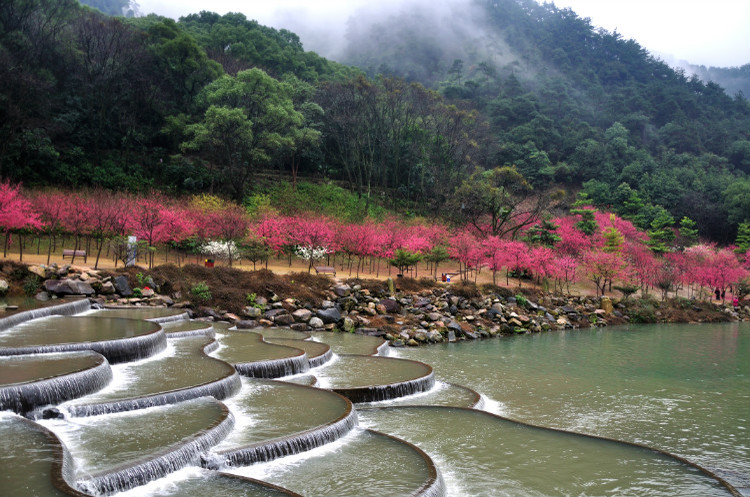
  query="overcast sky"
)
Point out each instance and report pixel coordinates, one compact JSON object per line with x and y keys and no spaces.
{"x":701,"y":32}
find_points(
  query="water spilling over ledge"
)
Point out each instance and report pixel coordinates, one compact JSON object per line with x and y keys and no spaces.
{"x":32,"y":381}
{"x":277,"y":430}
{"x":275,"y":421}
{"x":64,"y":309}
{"x":195,"y":481}
{"x":153,"y":314}
{"x":317,"y":353}
{"x":253,"y":357}
{"x":184,"y":329}
{"x":469,"y":441}
{"x":117,"y":339}
{"x":207,"y":376}
{"x":365,"y":463}
{"x":375,"y":378}
{"x":441,"y":394}
{"x":123,"y":454}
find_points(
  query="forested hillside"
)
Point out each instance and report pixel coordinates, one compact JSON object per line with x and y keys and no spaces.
{"x":216,"y":103}
{"x":570,"y":104}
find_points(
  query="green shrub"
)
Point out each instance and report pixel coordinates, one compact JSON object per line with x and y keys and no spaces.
{"x":643,"y":310}
{"x":521,"y":300}
{"x":201,"y":291}
{"x":250,"y":298}
{"x":31,"y":285}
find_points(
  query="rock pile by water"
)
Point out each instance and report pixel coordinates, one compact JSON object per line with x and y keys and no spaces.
{"x":432,"y":315}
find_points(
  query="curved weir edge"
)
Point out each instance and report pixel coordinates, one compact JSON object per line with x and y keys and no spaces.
{"x":275,"y":368}
{"x":117,"y":350}
{"x":183,"y":316}
{"x":24,"y":398}
{"x":209,"y":332}
{"x":323,"y":358}
{"x":220,"y":389}
{"x":63,"y":466}
{"x":435,"y":485}
{"x":275,"y":448}
{"x":383,"y":348}
{"x":66,"y":309}
{"x":172,"y":459}
{"x":727,"y":486}
{"x":374,"y":393}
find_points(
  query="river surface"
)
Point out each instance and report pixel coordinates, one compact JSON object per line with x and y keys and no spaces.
{"x":684,"y":389}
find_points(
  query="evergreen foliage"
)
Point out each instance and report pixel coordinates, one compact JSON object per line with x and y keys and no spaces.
{"x":137,"y":103}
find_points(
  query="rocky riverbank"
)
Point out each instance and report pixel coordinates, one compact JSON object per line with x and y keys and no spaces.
{"x":419,"y":313}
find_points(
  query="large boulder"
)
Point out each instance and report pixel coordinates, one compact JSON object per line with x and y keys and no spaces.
{"x":246,"y":324}
{"x":302,"y":315}
{"x":315,"y":323}
{"x":272,"y":314}
{"x":122,"y":286}
{"x":342,"y":290}
{"x":68,"y":287}
{"x":329,"y":316}
{"x":251,"y":312}
{"x":283,"y":319}
{"x":391,"y":306}
{"x":3,"y":287}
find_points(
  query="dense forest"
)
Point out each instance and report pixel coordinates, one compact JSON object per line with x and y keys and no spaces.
{"x":508,"y":96}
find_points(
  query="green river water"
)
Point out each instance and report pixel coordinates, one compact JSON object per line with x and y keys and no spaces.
{"x":680,"y":388}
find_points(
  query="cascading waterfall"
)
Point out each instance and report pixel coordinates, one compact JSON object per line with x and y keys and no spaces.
{"x":170,"y":319}
{"x":24,"y":398}
{"x":222,"y":389}
{"x":374,"y":393}
{"x":274,"y":368}
{"x":118,"y":350}
{"x":109,"y":483}
{"x":285,"y":446}
{"x":208,"y":331}
{"x":66,"y":309}
{"x":317,"y":361}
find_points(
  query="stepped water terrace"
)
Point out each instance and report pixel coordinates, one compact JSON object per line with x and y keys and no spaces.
{"x":136,"y":388}
{"x":154,"y":314}
{"x":124,"y":450}
{"x":349,"y":343}
{"x":31,"y":381}
{"x":185,"y":328}
{"x":372,"y":378}
{"x":269,"y":429}
{"x":252,"y":356}
{"x":117,"y":339}
{"x":176,"y":419}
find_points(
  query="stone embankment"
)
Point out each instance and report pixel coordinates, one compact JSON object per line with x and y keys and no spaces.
{"x":431,"y":315}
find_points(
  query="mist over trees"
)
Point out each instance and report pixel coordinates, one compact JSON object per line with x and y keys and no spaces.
{"x":443,"y":93}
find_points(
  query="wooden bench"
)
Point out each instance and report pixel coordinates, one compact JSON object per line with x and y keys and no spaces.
{"x":71,"y":253}
{"x":325,"y":269}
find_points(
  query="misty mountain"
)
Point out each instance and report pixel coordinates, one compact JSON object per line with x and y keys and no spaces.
{"x":732,"y":79}
{"x":125,"y":8}
{"x":136,"y":103}
{"x":568,"y":103}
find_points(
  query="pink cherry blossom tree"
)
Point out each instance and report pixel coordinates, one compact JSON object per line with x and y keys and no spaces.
{"x":51,"y":207}
{"x":603,"y":267}
{"x":17,"y":215}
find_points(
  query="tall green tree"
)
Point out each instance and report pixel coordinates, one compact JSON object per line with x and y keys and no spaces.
{"x":499,"y":202}
{"x":250,"y":119}
{"x":661,"y":235}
